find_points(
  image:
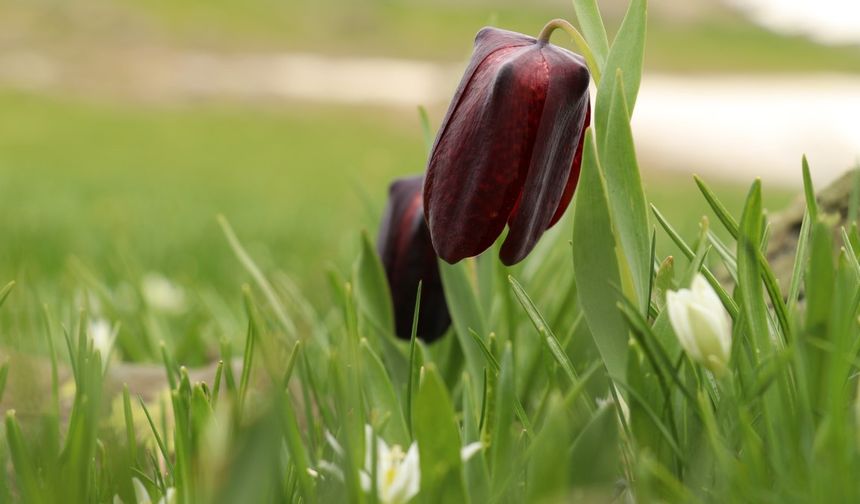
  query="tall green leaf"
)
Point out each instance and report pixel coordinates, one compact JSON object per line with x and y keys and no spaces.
{"x":595,"y":263}
{"x":626,"y":54}
{"x":465,"y":312}
{"x":591,"y":23}
{"x":626,"y":196}
{"x":438,"y":437}
{"x":383,"y":401}
{"x":371,"y":287}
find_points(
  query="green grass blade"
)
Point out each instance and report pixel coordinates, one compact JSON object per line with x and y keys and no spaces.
{"x":158,"y":440}
{"x":495,"y":367}
{"x":799,"y":263}
{"x":727,"y":300}
{"x":426,"y":130}
{"x":591,"y":24}
{"x":809,"y":191}
{"x":544,"y":330}
{"x":5,"y":291}
{"x":502,"y":439}
{"x":749,"y":273}
{"x":28,"y":478}
{"x":260,"y":279}
{"x":130,"y":437}
{"x":719,"y":209}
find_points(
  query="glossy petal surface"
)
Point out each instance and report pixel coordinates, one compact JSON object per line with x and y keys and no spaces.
{"x":506,"y":151}
{"x":553,"y":153}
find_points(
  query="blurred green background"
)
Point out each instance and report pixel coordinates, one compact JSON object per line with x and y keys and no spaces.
{"x":125,"y":183}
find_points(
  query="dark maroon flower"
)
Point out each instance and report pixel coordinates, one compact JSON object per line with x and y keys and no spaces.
{"x":407,"y":254}
{"x":509,"y":149}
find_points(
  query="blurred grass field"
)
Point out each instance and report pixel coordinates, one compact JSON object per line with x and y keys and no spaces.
{"x":126,"y":188}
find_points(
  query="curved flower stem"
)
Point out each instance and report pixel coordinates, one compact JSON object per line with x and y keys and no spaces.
{"x":578,"y":39}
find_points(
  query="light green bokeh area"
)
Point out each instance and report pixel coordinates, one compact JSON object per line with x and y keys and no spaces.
{"x":128,"y":189}
{"x":115,"y":184}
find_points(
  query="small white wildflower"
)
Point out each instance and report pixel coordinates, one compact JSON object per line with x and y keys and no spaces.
{"x":103,"y":337}
{"x":162,"y":294}
{"x":470,"y":450}
{"x":701,"y":324}
{"x":141,"y":496}
{"x":398,"y":474}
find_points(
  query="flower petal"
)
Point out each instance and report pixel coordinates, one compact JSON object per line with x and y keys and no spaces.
{"x":481,"y":155}
{"x":572,"y":180}
{"x":552,"y":159}
{"x":408,"y":257}
{"x":677,"y":302}
{"x":407,"y":480}
{"x":141,"y":496}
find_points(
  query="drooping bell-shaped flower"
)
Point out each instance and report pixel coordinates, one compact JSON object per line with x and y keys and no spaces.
{"x":701,"y":323}
{"x":509,"y":149}
{"x":408,"y":257}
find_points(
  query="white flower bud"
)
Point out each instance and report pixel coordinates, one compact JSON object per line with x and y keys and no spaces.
{"x":701,"y":324}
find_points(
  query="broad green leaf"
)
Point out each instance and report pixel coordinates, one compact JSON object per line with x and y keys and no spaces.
{"x":371,"y":287}
{"x":373,"y":300}
{"x":595,"y":264}
{"x":438,"y":437}
{"x":843,"y":333}
{"x":819,"y":280}
{"x":626,"y":54}
{"x":486,"y":266}
{"x":549,"y":470}
{"x":591,"y":23}
{"x":383,"y":401}
{"x":465,"y":312}
{"x":592,"y":464}
{"x":626,"y":196}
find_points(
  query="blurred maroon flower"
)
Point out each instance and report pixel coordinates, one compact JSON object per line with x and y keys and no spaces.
{"x":509,"y":148}
{"x":407,"y":254}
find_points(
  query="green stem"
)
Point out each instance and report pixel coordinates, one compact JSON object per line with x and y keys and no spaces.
{"x":578,"y":39}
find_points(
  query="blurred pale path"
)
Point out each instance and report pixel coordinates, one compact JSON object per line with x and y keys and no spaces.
{"x":744,"y":126}
{"x":723,"y":126}
{"x":829,"y":21}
